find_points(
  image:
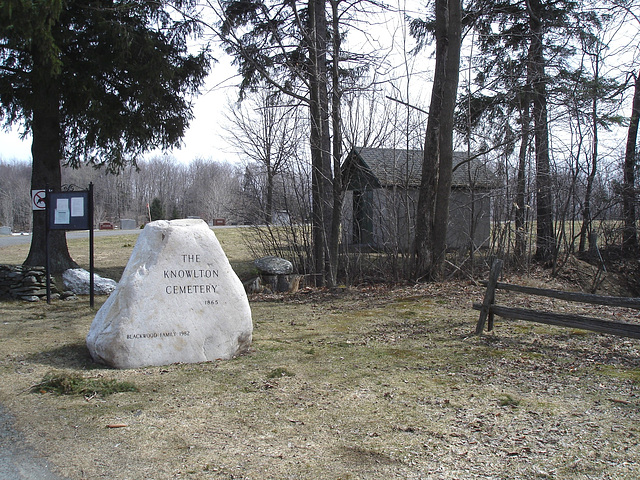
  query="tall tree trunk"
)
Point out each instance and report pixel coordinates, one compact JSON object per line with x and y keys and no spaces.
{"x":521,"y":212}
{"x":423,"y":243}
{"x":46,"y":150}
{"x":432,"y":216}
{"x":268,"y":210}
{"x":336,"y":120}
{"x":586,"y":211}
{"x":321,"y":179}
{"x":629,"y":235}
{"x":545,"y":239}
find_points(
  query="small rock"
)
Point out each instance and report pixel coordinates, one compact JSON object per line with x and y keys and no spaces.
{"x":77,"y":281}
{"x":274,"y":265}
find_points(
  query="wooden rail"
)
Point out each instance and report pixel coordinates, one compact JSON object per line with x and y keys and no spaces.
{"x":488,"y":308}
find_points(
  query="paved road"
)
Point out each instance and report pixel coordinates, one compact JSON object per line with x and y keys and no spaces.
{"x":16,"y":461}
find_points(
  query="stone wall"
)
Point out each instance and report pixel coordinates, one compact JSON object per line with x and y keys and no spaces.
{"x":24,"y":283}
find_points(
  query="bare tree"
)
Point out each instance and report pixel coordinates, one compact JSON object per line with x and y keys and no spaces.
{"x":630,"y":239}
{"x":15,"y":203}
{"x":296,"y":48}
{"x":264,"y":131}
{"x":210,"y":190}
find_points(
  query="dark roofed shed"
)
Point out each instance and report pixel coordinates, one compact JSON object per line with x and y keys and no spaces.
{"x":382,"y":194}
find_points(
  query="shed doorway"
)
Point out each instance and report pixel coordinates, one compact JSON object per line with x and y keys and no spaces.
{"x":363,"y":217}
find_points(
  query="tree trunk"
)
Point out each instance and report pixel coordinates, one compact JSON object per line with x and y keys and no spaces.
{"x":46,"y":150}
{"x":423,"y":243}
{"x":432,"y":216}
{"x":545,"y":239}
{"x":268,"y":209}
{"x":629,"y":235}
{"x":336,"y":120}
{"x":320,"y":140}
{"x":521,"y":211}
{"x":585,"y":229}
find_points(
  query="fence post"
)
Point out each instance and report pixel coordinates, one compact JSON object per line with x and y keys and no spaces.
{"x":489,"y":297}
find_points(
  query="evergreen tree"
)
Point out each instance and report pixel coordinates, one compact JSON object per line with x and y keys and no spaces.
{"x":284,"y":44}
{"x":156,"y":212}
{"x":175,"y":212}
{"x":295,"y":48}
{"x":97,"y":82}
{"x":515,"y":81}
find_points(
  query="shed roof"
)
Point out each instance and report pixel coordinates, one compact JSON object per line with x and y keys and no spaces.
{"x":385,"y":167}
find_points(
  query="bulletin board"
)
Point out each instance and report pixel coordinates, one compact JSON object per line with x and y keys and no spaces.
{"x":69,"y":210}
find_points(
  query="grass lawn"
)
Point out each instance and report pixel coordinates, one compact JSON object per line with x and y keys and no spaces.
{"x":375,"y":382}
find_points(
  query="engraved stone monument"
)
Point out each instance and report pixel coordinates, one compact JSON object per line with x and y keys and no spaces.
{"x":178,"y":301}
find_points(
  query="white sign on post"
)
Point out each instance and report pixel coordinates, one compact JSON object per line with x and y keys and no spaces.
{"x":62,"y":212}
{"x":38,"y":199}
{"x":77,"y":206}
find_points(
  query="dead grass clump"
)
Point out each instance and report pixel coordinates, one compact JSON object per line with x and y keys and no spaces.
{"x":280,"y":372}
{"x":506,"y":400}
{"x":76,"y":384}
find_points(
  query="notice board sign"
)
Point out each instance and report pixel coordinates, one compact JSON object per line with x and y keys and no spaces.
{"x":69,"y":210}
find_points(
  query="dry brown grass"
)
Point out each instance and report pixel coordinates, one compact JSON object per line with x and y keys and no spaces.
{"x":373,"y":383}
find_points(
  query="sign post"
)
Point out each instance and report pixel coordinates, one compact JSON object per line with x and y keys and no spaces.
{"x":90,"y":213}
{"x":70,"y":210}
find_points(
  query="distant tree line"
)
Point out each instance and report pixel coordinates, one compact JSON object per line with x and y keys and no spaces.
{"x":205,"y":189}
{"x":15,"y":195}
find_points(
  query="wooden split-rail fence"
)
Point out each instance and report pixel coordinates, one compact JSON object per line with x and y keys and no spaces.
{"x":489,"y":309}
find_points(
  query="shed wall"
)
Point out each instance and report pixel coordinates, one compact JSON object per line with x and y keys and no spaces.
{"x":393,"y":219}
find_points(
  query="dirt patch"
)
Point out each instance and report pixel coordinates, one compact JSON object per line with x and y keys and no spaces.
{"x":368,"y":383}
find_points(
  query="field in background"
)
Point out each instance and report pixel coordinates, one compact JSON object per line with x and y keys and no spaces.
{"x":111,"y":253}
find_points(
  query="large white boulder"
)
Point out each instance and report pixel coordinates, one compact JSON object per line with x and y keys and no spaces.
{"x":178,"y":301}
